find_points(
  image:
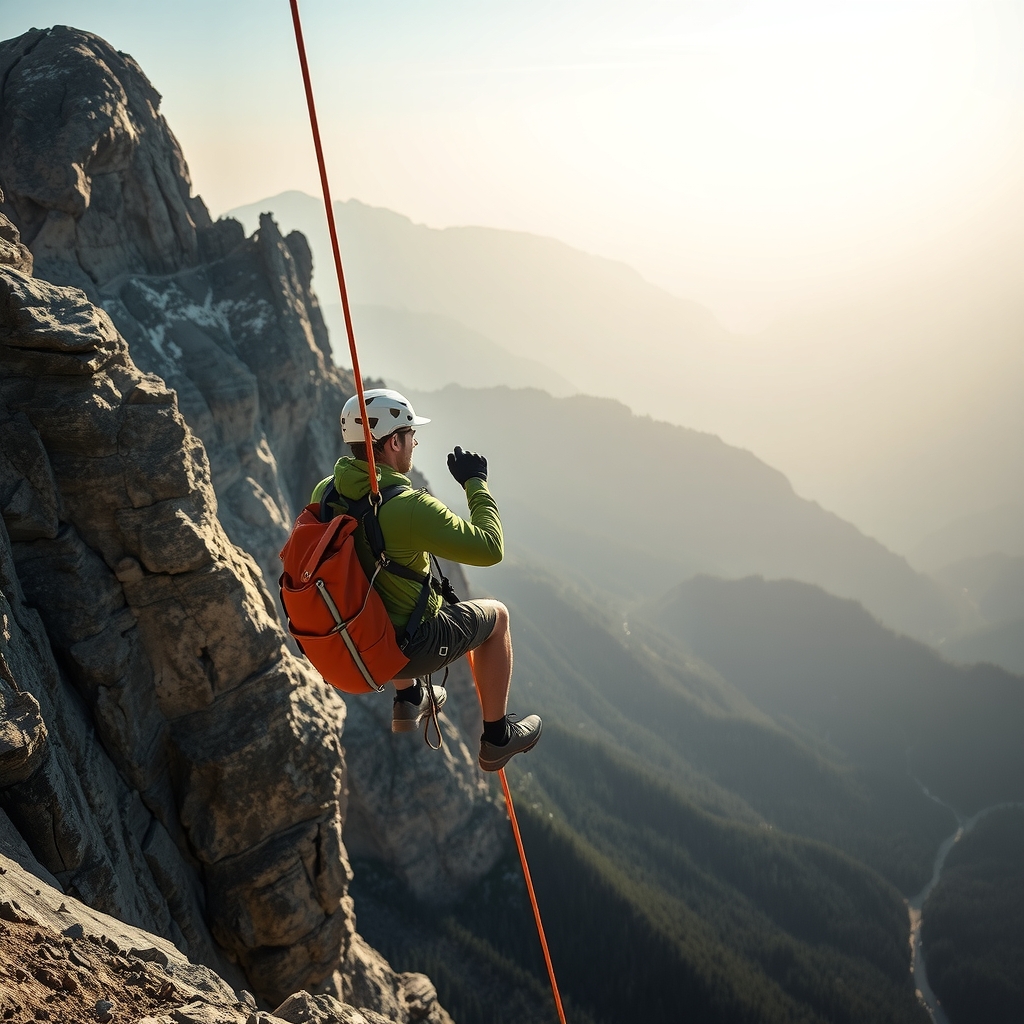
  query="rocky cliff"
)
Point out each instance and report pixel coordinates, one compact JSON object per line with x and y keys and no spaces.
{"x":163,"y":753}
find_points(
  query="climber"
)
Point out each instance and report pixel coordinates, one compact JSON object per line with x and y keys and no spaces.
{"x":415,"y":525}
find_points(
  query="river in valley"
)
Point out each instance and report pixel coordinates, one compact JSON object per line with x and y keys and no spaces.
{"x":916,"y":905}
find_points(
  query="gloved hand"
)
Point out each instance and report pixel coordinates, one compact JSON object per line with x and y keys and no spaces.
{"x":464,"y":465}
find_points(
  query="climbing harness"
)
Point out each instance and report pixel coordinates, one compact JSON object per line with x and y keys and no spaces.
{"x":375,"y":497}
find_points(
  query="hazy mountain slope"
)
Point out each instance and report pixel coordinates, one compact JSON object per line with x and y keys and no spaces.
{"x":756,"y":921}
{"x":798,"y":653}
{"x":642,"y":695}
{"x":538,"y":298}
{"x":902,"y":410}
{"x":427,"y":351}
{"x":993,"y":583}
{"x":1001,"y":645}
{"x":992,"y":589}
{"x":973,"y":928}
{"x":998,"y":529}
{"x":635,"y":505}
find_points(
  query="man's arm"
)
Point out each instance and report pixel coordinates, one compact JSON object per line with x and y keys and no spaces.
{"x":436,"y":528}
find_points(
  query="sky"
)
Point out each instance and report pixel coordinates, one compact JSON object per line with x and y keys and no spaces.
{"x":837,"y":180}
{"x":753,"y":156}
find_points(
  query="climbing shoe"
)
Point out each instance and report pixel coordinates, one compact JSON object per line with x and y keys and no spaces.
{"x":407,"y":715}
{"x":522,"y":736}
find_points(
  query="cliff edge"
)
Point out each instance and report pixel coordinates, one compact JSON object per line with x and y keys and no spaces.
{"x":167,"y":401}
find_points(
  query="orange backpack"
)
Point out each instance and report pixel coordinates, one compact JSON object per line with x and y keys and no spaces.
{"x":334,"y":612}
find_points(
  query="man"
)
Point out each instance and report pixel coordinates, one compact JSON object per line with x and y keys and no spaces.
{"x":416,"y":525}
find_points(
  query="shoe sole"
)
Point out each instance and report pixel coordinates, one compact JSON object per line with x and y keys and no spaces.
{"x":497,"y":765}
{"x":412,"y":724}
{"x":406,"y":725}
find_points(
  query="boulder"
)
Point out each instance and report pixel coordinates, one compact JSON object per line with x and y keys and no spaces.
{"x":94,"y":177}
{"x":13,"y":252}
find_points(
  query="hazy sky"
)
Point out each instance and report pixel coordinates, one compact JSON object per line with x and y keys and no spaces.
{"x":752,"y":156}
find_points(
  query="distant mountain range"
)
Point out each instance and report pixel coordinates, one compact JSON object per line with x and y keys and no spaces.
{"x":426,"y":351}
{"x":824,"y":664}
{"x":999,"y":529}
{"x":594,"y":321}
{"x":634,"y":506}
{"x":992,"y":586}
{"x":902,"y":411}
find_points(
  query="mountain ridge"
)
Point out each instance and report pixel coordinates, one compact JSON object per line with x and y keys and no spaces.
{"x":680,"y":501}
{"x":900,"y":409}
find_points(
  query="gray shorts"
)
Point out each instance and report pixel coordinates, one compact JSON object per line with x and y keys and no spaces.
{"x":454,"y":630}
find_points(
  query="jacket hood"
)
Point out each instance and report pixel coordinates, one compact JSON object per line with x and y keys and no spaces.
{"x":352,"y":477}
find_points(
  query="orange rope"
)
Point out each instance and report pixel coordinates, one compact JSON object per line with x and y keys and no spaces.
{"x":326,"y":188}
{"x":526,"y":869}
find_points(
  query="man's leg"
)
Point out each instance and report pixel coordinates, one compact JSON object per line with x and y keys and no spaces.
{"x":492,"y":661}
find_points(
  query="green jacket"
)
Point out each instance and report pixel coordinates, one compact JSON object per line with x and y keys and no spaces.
{"x":416,"y":524}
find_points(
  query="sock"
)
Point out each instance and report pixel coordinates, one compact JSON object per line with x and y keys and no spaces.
{"x":411,"y":694}
{"x":497,"y":732}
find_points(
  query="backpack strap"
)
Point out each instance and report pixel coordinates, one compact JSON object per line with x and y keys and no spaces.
{"x":366,"y":512}
{"x":328,"y":498}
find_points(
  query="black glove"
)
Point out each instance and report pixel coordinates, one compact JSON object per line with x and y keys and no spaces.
{"x":464,"y":465}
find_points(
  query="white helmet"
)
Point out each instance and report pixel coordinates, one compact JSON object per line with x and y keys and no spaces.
{"x":387,"y":410}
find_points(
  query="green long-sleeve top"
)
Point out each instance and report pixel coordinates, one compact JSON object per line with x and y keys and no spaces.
{"x":415,"y":525}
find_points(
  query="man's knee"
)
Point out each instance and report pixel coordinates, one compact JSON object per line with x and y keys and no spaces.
{"x":500,"y":618}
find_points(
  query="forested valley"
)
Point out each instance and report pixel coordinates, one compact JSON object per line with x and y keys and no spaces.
{"x":706,"y":839}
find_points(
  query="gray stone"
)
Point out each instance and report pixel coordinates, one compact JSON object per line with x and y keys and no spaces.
{"x":94,"y":177}
{"x":168,"y":536}
{"x":14,"y":847}
{"x":22,"y":736}
{"x":13,"y":252}
{"x":50,"y":330}
{"x":304,"y":1008}
{"x":29,"y":501}
{"x":279,"y":892}
{"x":277,"y":718}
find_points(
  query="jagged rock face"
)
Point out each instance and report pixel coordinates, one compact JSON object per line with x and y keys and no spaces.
{"x":232,"y":327}
{"x":94,"y":178}
{"x":242,"y":342}
{"x":219,"y":754}
{"x":213,"y":755}
{"x":100,"y":191}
